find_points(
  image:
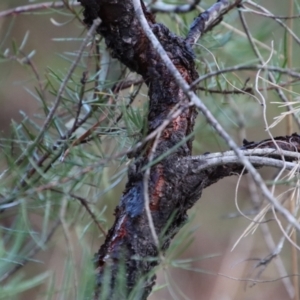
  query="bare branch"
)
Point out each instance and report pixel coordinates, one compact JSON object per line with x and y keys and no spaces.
{"x":207,"y":20}
{"x":295,"y":37}
{"x":62,"y":87}
{"x":36,"y":7}
{"x":162,"y":7}
{"x":255,"y":160}
{"x":246,"y":67}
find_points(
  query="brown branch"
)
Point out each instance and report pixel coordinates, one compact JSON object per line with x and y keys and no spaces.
{"x":176,"y":181}
{"x":88,"y":209}
{"x":248,"y":68}
{"x":158,"y":7}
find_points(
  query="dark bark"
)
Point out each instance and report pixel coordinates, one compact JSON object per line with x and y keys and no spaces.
{"x":174,"y":187}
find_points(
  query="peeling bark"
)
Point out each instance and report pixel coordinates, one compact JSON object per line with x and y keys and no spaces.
{"x":174,"y":186}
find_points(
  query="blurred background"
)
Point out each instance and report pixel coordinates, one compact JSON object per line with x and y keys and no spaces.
{"x":201,"y":263}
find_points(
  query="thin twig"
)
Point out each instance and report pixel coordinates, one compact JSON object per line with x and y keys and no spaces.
{"x":162,"y":7}
{"x":62,"y":87}
{"x":246,"y":67}
{"x":272,"y":16}
{"x":206,"y":20}
{"x":263,"y":9}
{"x":84,"y":203}
{"x":93,"y":216}
{"x":278,"y":262}
{"x":29,"y":62}
{"x":253,"y":191}
{"x":270,"y":75}
{"x":248,"y":89}
{"x":35,"y":7}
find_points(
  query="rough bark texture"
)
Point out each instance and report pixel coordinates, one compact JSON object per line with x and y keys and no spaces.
{"x":173,"y":186}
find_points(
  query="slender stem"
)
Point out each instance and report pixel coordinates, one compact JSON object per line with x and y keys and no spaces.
{"x":62,"y":89}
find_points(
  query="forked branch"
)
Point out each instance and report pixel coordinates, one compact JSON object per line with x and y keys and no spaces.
{"x":135,"y":244}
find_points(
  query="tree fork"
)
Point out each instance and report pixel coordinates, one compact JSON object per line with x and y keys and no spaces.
{"x":174,"y":184}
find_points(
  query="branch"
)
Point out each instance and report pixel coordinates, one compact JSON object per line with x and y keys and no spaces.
{"x":295,"y":37}
{"x":247,"y":67}
{"x":157,"y":7}
{"x":174,"y":182}
{"x":35,"y":7}
{"x":62,"y":87}
{"x":172,"y":8}
{"x":227,"y":159}
{"x":207,"y":20}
